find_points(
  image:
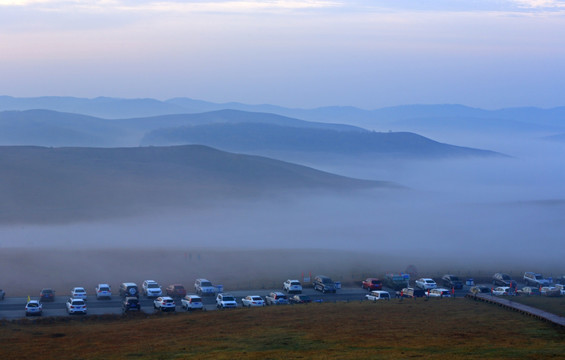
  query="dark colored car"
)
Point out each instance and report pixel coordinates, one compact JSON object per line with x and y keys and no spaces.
{"x":46,"y":294}
{"x":371,"y":284}
{"x":129,"y":289}
{"x":2,"y":294}
{"x":176,"y":290}
{"x":413,"y":293}
{"x":300,"y":299}
{"x":324,"y":284}
{"x":480,"y":290}
{"x":502,"y":279}
{"x":452,"y":281}
{"x":130,"y":304}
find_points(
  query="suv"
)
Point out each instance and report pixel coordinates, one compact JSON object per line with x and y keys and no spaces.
{"x":324,"y":284}
{"x":204,"y":287}
{"x":276,"y":298}
{"x":292,"y":286}
{"x":412,"y":293}
{"x":47,"y":294}
{"x":535,"y":279}
{"x":76,"y":306}
{"x":150,"y":288}
{"x":192,"y":302}
{"x":130,"y":304}
{"x":452,"y":281}
{"x":78,"y":293}
{"x":103,"y":292}
{"x":502,"y":279}
{"x":129,"y":289}
{"x":175,"y":290}
{"x":225,"y":301}
{"x":371,"y":284}
{"x":164,"y":303}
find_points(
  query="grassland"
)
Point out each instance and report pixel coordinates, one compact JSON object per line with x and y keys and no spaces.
{"x":447,"y":328}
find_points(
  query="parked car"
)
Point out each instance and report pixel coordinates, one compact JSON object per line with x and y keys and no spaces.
{"x":75,"y":306}
{"x":151,"y":288}
{"x":204,"y":287}
{"x":530,"y":291}
{"x":276,"y":298}
{"x":252,"y":300}
{"x":561,"y":288}
{"x":503,"y":291}
{"x":129,"y":289}
{"x":103,"y":291}
{"x":378,"y":295}
{"x":224,"y":301}
{"x":550,"y":291}
{"x":78,"y":293}
{"x":426,"y":283}
{"x":412,"y":292}
{"x":535,"y":279}
{"x":192,"y":302}
{"x":46,"y":294}
{"x":130,"y":304}
{"x":2,"y":294}
{"x":292,"y":286}
{"x":299,"y":299}
{"x":480,"y":290}
{"x":33,"y":307}
{"x":164,"y":303}
{"x":371,"y":284}
{"x":502,"y":279}
{"x":452,"y":281}
{"x":439,"y":293}
{"x":324,"y":284}
{"x":176,"y":290}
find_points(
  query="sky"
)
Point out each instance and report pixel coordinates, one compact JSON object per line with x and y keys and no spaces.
{"x":369,"y":54}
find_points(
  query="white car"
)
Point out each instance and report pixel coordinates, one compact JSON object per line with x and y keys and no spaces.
{"x":192,"y":302}
{"x":252,"y":300}
{"x":292,"y":286}
{"x":378,"y":295}
{"x":224,"y":301}
{"x":150,"y":288}
{"x":34,"y":307}
{"x":502,"y":291}
{"x":439,"y":293}
{"x":78,"y":293}
{"x":76,"y":306}
{"x":103,"y":291}
{"x":164,"y":303}
{"x":204,"y":287}
{"x":426,"y":283}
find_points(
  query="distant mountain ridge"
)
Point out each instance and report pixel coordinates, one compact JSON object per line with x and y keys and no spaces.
{"x":40,"y":184}
{"x":253,"y":137}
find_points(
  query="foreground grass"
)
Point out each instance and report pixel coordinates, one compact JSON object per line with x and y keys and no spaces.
{"x":448,"y":328}
{"x":555,"y":305}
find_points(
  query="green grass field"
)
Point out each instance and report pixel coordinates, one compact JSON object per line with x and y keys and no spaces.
{"x":441,"y":329}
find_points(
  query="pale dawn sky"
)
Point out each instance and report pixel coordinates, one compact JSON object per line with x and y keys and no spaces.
{"x":370,"y":54}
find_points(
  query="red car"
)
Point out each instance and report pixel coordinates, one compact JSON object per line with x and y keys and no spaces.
{"x":176,"y":290}
{"x":372,"y":284}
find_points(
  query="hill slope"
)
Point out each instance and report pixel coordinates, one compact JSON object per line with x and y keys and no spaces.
{"x":251,"y":137}
{"x":68,"y":184}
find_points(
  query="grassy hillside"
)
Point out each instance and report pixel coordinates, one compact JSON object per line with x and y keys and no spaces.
{"x":44,"y":184}
{"x":439,"y":329}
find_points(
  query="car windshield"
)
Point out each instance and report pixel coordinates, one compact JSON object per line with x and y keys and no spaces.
{"x":375,"y":282}
{"x":304,"y":297}
{"x":152,"y":285}
{"x":196,"y":300}
{"x":256,"y":298}
{"x":384,"y":295}
{"x":327,"y":281}
{"x":505,"y":277}
{"x":32,"y":304}
{"x":179,"y":287}
{"x":168,"y":301}
{"x":78,"y":302}
{"x":295,"y":283}
{"x":47,"y":291}
{"x":539,"y":277}
{"x":103,"y":288}
{"x":429,"y":281}
{"x":205,"y":283}
{"x":228,"y":298}
{"x":79,"y":290}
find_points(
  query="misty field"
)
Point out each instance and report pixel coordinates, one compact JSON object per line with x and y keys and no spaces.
{"x":454,"y":328}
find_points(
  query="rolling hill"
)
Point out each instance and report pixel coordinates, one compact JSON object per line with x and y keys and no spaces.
{"x":255,"y":138}
{"x":41,"y":184}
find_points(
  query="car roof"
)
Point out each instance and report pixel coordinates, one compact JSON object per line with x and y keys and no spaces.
{"x":202,"y":279}
{"x":33,"y":301}
{"x":100,"y":285}
{"x":129,"y":284}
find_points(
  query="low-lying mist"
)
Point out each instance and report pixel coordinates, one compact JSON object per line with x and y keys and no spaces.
{"x":466,"y":215}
